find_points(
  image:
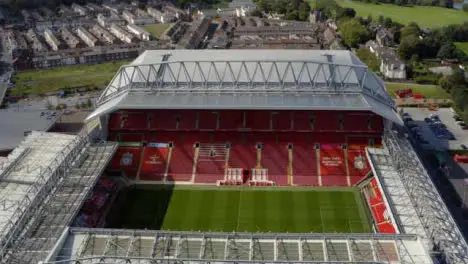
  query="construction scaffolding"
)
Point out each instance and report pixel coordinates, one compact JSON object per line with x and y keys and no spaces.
{"x":145,"y":246}
{"x":46,"y":181}
{"x":414,"y":182}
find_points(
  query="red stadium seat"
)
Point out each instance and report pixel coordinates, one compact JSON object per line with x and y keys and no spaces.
{"x":356,"y":122}
{"x":135,"y":121}
{"x":379,"y":210}
{"x":208,"y":120}
{"x":332,"y":165}
{"x":258,"y":120}
{"x":231,"y":120}
{"x":281,"y":120}
{"x":302,"y":120}
{"x":242,"y":155}
{"x":357,"y":163}
{"x":326,"y":121}
{"x":130,"y":137}
{"x":304,"y":165}
{"x":181,"y":163}
{"x":211,"y":162}
{"x":115,"y":121}
{"x":275,"y":158}
{"x":154,"y":162}
{"x":127,"y":159}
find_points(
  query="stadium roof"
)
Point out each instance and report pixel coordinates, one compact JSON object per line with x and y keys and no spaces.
{"x":247,"y":79}
{"x":43,"y":183}
{"x":14,"y":124}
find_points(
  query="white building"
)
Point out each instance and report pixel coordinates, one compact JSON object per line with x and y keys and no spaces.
{"x":51,"y":40}
{"x":137,"y":19}
{"x":105,"y":21}
{"x":103,"y":34}
{"x":120,"y":33}
{"x":139,"y":32}
{"x":390,"y":64}
{"x":79,"y":9}
{"x":162,"y":17}
{"x":87,"y":37}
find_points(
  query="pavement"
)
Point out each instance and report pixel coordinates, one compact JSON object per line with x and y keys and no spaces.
{"x":6,"y":70}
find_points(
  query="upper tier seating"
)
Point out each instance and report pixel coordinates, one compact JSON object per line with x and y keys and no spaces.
{"x":357,"y":121}
{"x":130,"y":137}
{"x":231,"y":120}
{"x":281,"y":120}
{"x":258,"y":120}
{"x":208,"y":120}
{"x":248,"y":120}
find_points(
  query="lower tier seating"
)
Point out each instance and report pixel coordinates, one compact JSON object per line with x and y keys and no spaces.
{"x":154,"y":162}
{"x":127,"y":159}
{"x":378,"y":208}
{"x":288,"y":158}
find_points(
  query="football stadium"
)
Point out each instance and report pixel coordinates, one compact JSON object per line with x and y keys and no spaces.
{"x":229,"y":156}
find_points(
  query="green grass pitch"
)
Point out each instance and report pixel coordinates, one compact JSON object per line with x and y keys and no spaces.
{"x":193,"y":208}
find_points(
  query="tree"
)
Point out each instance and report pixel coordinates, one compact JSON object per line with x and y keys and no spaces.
{"x":89,"y":103}
{"x":381,"y":20}
{"x":353,"y":32}
{"x":369,"y":59}
{"x":408,"y":47}
{"x":412,"y":29}
{"x":447,"y":51}
{"x":345,"y":12}
{"x":465,"y":7}
{"x":388,"y":22}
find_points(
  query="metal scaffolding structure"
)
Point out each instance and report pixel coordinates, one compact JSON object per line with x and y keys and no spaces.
{"x":145,"y":246}
{"x":56,"y":184}
{"x":434,"y":216}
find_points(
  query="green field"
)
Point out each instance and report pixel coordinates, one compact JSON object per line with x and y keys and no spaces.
{"x":463,"y":46}
{"x":157,"y":29}
{"x":65,"y":77}
{"x":187,"y":208}
{"x":425,"y":16}
{"x":429,"y":91}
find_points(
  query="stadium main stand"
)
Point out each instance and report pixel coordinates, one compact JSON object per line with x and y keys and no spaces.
{"x":254,"y":140}
{"x":305,"y":136}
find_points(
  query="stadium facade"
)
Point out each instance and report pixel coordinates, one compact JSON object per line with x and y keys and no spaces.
{"x":231,"y":117}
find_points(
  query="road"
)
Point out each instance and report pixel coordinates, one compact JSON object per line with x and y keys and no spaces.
{"x":5,"y":66}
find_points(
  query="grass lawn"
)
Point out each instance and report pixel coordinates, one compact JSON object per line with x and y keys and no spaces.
{"x":157,"y":29}
{"x":186,"y":208}
{"x":54,"y":79}
{"x":429,"y":91}
{"x":462,"y":46}
{"x":425,"y":16}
